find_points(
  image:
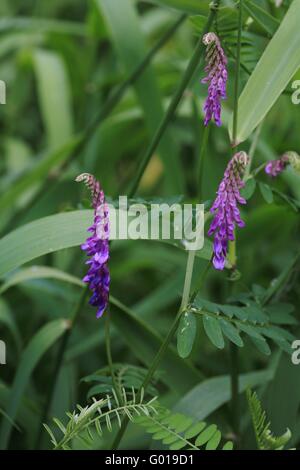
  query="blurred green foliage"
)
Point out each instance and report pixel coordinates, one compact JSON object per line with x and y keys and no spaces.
{"x":61,"y":61}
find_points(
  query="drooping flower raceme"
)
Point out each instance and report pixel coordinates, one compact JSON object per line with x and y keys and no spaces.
{"x":275,"y":167}
{"x":97,"y":247}
{"x":216,"y":70}
{"x":225,"y":208}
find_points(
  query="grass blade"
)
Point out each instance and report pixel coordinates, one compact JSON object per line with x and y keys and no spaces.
{"x":278,"y":64}
{"x":37,"y":347}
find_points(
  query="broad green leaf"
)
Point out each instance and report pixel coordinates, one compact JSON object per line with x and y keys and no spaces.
{"x":17,"y":154}
{"x":186,"y":334}
{"x":209,"y":395}
{"x":42,"y":25}
{"x":54,"y":97}
{"x":281,"y":410}
{"x":43,"y":236}
{"x":14,"y":41}
{"x":277,"y":66}
{"x":48,"y":235}
{"x":34,"y":351}
{"x":129,"y":40}
{"x":266,"y":193}
{"x":144,"y":343}
{"x":38,"y":272}
{"x":193,"y":7}
{"x":262,"y":17}
{"x":213,"y":330}
{"x":28,"y":411}
{"x":165,"y":295}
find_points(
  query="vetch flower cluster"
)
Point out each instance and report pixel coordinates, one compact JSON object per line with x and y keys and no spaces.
{"x":225,"y":208}
{"x":217,"y":76}
{"x":275,"y":167}
{"x":97,"y":247}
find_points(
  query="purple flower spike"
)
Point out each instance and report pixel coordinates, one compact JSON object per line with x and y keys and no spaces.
{"x":225,"y":208}
{"x":216,"y":70}
{"x":97,"y":247}
{"x":275,"y":167}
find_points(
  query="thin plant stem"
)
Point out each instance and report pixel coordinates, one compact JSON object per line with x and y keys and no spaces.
{"x":252,"y":151}
{"x":258,"y":169}
{"x":234,"y":368}
{"x":110,"y":104}
{"x":200,"y":281}
{"x":237,"y":75}
{"x":165,"y":344}
{"x":188,"y":279}
{"x":184,"y":303}
{"x":58,"y":363}
{"x":232,"y":256}
{"x":187,"y":77}
{"x":202,"y":153}
{"x":109,"y":356}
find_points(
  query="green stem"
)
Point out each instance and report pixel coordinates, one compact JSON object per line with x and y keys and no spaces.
{"x":252,"y":151}
{"x":232,"y":257}
{"x":234,"y":367}
{"x":202,"y":154}
{"x":58,"y":363}
{"x":165,"y":344}
{"x":199,"y":283}
{"x":109,"y":355}
{"x":192,"y":66}
{"x":188,"y":279}
{"x":258,"y":169}
{"x":237,"y":75}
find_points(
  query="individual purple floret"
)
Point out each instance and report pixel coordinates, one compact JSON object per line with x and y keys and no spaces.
{"x":97,"y":247}
{"x":225,"y":208}
{"x":216,"y":70}
{"x":275,"y":167}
